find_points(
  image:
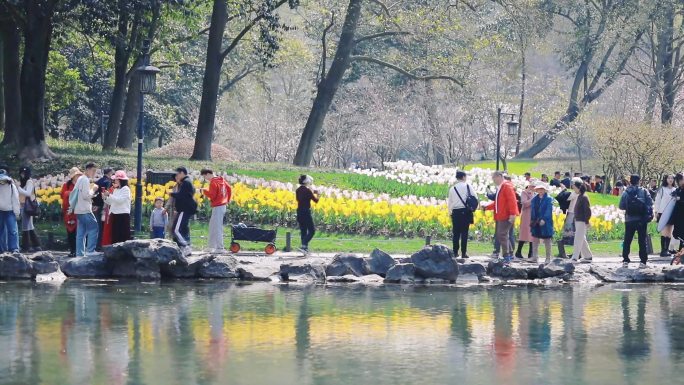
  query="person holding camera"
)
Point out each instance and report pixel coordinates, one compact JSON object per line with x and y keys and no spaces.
{"x":305,"y":195}
{"x":9,"y":212}
{"x":461,"y":202}
{"x":638,"y":206}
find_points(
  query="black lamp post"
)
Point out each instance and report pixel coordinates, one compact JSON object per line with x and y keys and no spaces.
{"x":512,"y":131}
{"x":148,"y":84}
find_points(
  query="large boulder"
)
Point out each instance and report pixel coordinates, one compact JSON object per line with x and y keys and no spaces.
{"x":141,"y":269}
{"x":15,"y":266}
{"x":161,"y":251}
{"x":649,"y":274}
{"x":44,"y":263}
{"x":347,"y":264}
{"x":190,"y":269}
{"x":473,"y":268}
{"x":557,"y":268}
{"x":380,"y":262}
{"x":435,"y":262}
{"x":307,"y":273}
{"x":401,"y":273}
{"x":224,"y":266}
{"x":94,"y":266}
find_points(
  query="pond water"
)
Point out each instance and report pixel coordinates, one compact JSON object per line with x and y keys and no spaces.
{"x":92,"y":332}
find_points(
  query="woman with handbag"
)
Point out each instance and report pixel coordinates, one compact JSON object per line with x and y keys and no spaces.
{"x":541,"y":221}
{"x":119,"y":203}
{"x":462,"y":203}
{"x":29,"y":208}
{"x":582,"y":211}
{"x":70,"y":218}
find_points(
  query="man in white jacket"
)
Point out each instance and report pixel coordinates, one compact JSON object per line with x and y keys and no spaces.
{"x":82,"y":206}
{"x":9,"y":211}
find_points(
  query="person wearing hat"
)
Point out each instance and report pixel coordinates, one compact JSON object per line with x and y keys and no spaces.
{"x":81,"y":204}
{"x":305,"y":195}
{"x":524,"y":232}
{"x":119,"y":203}
{"x":9,"y":211}
{"x":69,"y":218}
{"x":27,"y":192}
{"x":186,"y":207}
{"x":541,"y":221}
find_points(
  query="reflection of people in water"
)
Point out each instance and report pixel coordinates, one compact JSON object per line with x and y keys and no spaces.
{"x":459,"y":324}
{"x":634,"y":346}
{"x":539,"y":324}
{"x":504,"y":345}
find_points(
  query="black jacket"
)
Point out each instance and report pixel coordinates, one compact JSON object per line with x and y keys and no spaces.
{"x":184,"y":198}
{"x":102,"y":183}
{"x":563,"y":200}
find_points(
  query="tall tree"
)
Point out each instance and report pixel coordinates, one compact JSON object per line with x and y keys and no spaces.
{"x":330,"y":81}
{"x":604,"y":35}
{"x":11,"y":64}
{"x":253,"y":13}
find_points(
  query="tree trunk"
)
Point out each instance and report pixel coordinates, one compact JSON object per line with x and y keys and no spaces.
{"x":11,"y":81}
{"x":438,"y":150}
{"x":210,"y":83}
{"x":37,"y":39}
{"x":121,"y":56}
{"x":131,"y":112}
{"x":2,"y":86}
{"x":522,"y":100}
{"x":669,"y":87}
{"x":579,"y":156}
{"x":328,"y":86}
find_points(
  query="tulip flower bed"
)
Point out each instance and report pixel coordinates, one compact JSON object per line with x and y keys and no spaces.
{"x":269,"y":202}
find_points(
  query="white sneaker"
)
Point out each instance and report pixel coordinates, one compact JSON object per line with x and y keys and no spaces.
{"x":93,"y":254}
{"x":304,"y":250}
{"x":625,"y":265}
{"x":643,"y":265}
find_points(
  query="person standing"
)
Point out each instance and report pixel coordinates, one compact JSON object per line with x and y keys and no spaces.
{"x":663,"y":197}
{"x":582,"y":212}
{"x":219,"y":194}
{"x":103,"y":184}
{"x":186,"y":207}
{"x":119,"y":207}
{"x":461,"y":214}
{"x":159,"y":219}
{"x":638,"y":206}
{"x":305,"y":195}
{"x":556,"y":181}
{"x":541,"y":222}
{"x":677,"y":217}
{"x":525,"y":232}
{"x":653,"y":188}
{"x":563,"y":197}
{"x":9,"y":211}
{"x":505,"y":207}
{"x":27,"y":194}
{"x":69,"y":218}
{"x":81,"y":204}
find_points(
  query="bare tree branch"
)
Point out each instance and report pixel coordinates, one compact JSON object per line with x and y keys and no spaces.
{"x":405,"y":72}
{"x":379,"y":35}
{"x":324,"y":54}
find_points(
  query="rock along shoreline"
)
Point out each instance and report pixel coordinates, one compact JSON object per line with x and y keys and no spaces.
{"x":156,"y":260}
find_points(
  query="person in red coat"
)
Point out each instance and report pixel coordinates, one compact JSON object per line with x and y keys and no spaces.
{"x":69,"y":218}
{"x":505,"y":207}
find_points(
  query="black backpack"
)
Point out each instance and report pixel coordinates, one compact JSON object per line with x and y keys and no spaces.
{"x":636,"y":207}
{"x":470,"y":202}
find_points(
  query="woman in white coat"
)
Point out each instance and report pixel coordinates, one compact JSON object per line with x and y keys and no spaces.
{"x":663,"y":197}
{"x":120,"y":207}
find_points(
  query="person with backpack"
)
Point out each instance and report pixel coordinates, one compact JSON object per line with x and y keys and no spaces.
{"x":582,"y":211}
{"x":186,"y":207}
{"x":638,"y":206}
{"x":219,"y":194}
{"x":29,"y":208}
{"x":462,"y":202}
{"x":663,"y":197}
{"x":525,"y":232}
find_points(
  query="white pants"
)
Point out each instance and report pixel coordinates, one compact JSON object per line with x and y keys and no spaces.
{"x":581,"y":246}
{"x":547,"y":247}
{"x":216,"y":227}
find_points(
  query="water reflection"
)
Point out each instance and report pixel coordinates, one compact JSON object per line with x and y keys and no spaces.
{"x":218,"y":333}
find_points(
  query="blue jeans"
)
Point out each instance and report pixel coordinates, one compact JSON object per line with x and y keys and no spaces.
{"x":9,"y":235}
{"x":86,"y":231}
{"x":158,"y":232}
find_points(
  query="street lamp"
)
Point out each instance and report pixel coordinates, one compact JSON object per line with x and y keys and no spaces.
{"x":148,"y":84}
{"x":512,"y":131}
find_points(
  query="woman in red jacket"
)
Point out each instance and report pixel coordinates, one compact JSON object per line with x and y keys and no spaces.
{"x":70,"y":218}
{"x":505,"y":207}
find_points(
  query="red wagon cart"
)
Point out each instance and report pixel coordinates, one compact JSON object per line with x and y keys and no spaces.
{"x":252,"y":234}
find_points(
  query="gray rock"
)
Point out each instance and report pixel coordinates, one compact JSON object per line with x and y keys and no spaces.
{"x":401,"y":273}
{"x":511,"y":272}
{"x":44,"y":263}
{"x":582,"y":275}
{"x":346,"y":264}
{"x":190,"y":269}
{"x":95,"y":266}
{"x":161,"y":251}
{"x":674,"y":273}
{"x":141,"y":269}
{"x":436,"y":261}
{"x":371,"y":279}
{"x":15,"y":266}
{"x":349,"y":278}
{"x":224,"y":266}
{"x":250,"y":272}
{"x":650,"y":274}
{"x":54,"y":277}
{"x":472,"y":268}
{"x":609,"y":274}
{"x":557,"y":268}
{"x":312,"y":273}
{"x":467,"y":278}
{"x":380,"y":262}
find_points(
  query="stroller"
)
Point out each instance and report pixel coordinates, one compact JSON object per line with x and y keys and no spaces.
{"x":241,"y":232}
